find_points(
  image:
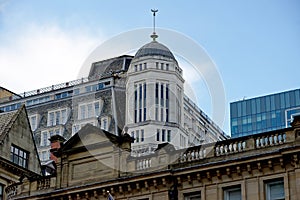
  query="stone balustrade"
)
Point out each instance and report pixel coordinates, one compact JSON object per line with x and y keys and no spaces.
{"x":43,"y":183}
{"x":218,"y":149}
{"x":270,"y":140}
{"x":231,"y":147}
{"x":143,"y":163}
{"x":193,"y":154}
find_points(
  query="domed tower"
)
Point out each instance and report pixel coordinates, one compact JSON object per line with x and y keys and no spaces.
{"x":154,"y":106}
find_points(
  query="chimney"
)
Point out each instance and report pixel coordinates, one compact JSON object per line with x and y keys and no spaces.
{"x":56,"y":144}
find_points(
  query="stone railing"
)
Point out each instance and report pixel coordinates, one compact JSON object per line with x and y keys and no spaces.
{"x":144,"y":163}
{"x":192,"y":154}
{"x":230,"y":147}
{"x":270,"y":140}
{"x":218,"y":149}
{"x":43,"y":183}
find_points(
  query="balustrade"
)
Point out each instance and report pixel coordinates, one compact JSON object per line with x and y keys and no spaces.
{"x":270,"y":140}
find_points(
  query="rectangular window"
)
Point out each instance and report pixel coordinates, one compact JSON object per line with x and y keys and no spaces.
{"x":163,"y":135}
{"x":162,"y":94}
{"x":57,"y":117}
{"x":82,"y":112}
{"x":135,"y":68}
{"x":232,"y":193}
{"x":104,"y":124}
{"x":156,"y":65}
{"x":275,"y":189}
{"x":145,"y":94}
{"x":44,"y":138}
{"x":162,"y":114}
{"x":97,"y":108}
{"x":51,"y":119}
{"x":169,"y":136}
{"x":135,"y":103}
{"x":167,"y":115}
{"x":156,"y":113}
{"x":142,"y":135}
{"x":19,"y":156}
{"x":156,"y":93}
{"x":141,"y":67}
{"x":157,"y":135}
{"x":64,"y":116}
{"x":132,"y":135}
{"x":145,"y":114}
{"x":89,"y":110}
{"x":137,"y":136}
{"x":167,"y":67}
{"x":145,"y":65}
{"x":162,"y":66}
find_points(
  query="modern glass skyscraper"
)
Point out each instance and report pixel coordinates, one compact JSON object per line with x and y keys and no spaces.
{"x":265,"y":113}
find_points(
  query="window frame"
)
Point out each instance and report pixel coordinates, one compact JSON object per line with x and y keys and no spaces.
{"x":18,"y":155}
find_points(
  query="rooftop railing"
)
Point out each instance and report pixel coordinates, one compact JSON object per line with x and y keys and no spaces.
{"x":54,"y":87}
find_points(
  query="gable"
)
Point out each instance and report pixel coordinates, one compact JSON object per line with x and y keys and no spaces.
{"x":90,"y":136}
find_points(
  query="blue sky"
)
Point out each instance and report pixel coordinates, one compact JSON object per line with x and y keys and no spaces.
{"x":254,"y":44}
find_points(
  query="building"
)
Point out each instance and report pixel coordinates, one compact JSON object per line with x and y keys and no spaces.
{"x":265,"y":113}
{"x":119,"y":92}
{"x":19,"y":159}
{"x":94,"y":162}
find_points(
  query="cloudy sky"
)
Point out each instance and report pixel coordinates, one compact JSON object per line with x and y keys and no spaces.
{"x":255,"y":45}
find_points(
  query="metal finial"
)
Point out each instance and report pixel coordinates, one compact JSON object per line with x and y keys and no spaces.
{"x":154,"y":36}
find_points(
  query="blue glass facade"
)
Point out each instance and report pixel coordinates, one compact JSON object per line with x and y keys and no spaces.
{"x":264,"y":113}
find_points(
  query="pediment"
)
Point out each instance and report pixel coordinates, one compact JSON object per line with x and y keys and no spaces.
{"x":90,"y":135}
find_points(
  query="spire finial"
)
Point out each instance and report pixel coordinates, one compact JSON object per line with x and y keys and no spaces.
{"x":154,"y":36}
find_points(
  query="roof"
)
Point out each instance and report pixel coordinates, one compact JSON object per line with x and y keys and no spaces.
{"x":154,"y":48}
{"x":6,"y":121}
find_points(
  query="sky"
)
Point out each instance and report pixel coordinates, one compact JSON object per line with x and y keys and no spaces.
{"x":255,"y":45}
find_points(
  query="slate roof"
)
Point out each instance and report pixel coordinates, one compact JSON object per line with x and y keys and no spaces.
{"x":6,"y":121}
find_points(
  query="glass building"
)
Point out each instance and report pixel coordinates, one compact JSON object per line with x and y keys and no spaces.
{"x":265,"y":113}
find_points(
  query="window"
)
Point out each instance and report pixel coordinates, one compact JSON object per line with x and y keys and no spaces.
{"x":232,"y":193}
{"x":104,"y":124}
{"x":132,"y":135}
{"x":142,"y":135}
{"x":192,"y":196}
{"x":135,"y":68}
{"x":156,"y":65}
{"x":137,"y":136}
{"x":64,"y":116}
{"x":44,"y":138}
{"x":275,"y":190}
{"x":162,"y":66}
{"x":1,"y":192}
{"x":167,"y":67}
{"x":57,"y":117}
{"x":169,"y":136}
{"x":19,"y":156}
{"x":45,"y":155}
{"x":89,"y":110}
{"x":145,"y":65}
{"x":157,"y":135}
{"x":33,"y":122}
{"x":163,"y":135}
{"x":51,"y":119}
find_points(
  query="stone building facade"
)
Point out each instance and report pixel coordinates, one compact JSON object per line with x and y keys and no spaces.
{"x":101,"y":99}
{"x":94,"y":162}
{"x":19,"y":160}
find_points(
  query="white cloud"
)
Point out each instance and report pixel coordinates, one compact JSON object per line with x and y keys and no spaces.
{"x":40,"y":56}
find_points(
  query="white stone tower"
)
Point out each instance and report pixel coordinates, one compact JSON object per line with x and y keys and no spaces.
{"x":154,"y":105}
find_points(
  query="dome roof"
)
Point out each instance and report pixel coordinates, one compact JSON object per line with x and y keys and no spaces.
{"x":154,"y":48}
